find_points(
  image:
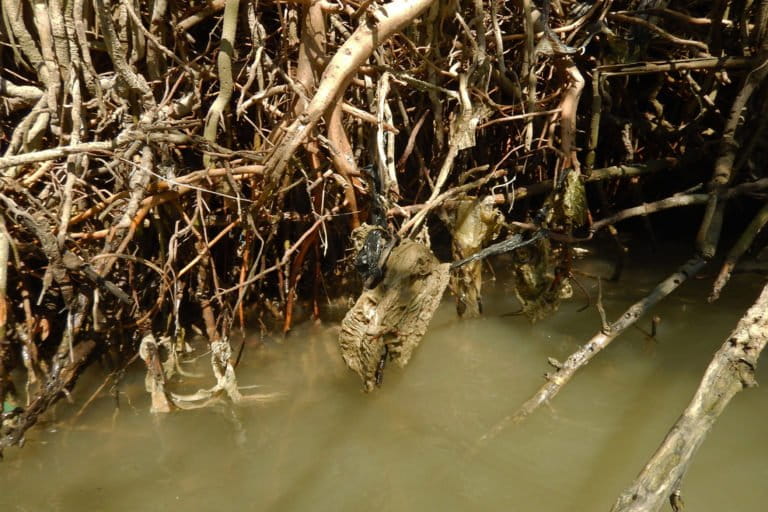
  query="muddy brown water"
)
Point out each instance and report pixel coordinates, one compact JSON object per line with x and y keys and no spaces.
{"x":415,"y":444}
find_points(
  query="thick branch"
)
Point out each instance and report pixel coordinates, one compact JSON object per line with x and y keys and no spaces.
{"x":354,"y":52}
{"x":731,"y":370}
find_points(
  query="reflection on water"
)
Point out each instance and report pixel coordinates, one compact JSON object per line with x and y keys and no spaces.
{"x":413,"y":445}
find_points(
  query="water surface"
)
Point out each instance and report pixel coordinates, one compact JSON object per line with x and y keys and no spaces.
{"x":415,"y":445}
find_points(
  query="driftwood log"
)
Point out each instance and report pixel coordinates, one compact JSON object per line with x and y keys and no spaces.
{"x":731,"y":370}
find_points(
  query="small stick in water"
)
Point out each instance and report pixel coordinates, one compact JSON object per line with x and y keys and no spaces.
{"x":380,"y":367}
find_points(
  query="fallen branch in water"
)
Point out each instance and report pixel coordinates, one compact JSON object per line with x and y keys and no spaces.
{"x":566,"y":370}
{"x":731,"y":370}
